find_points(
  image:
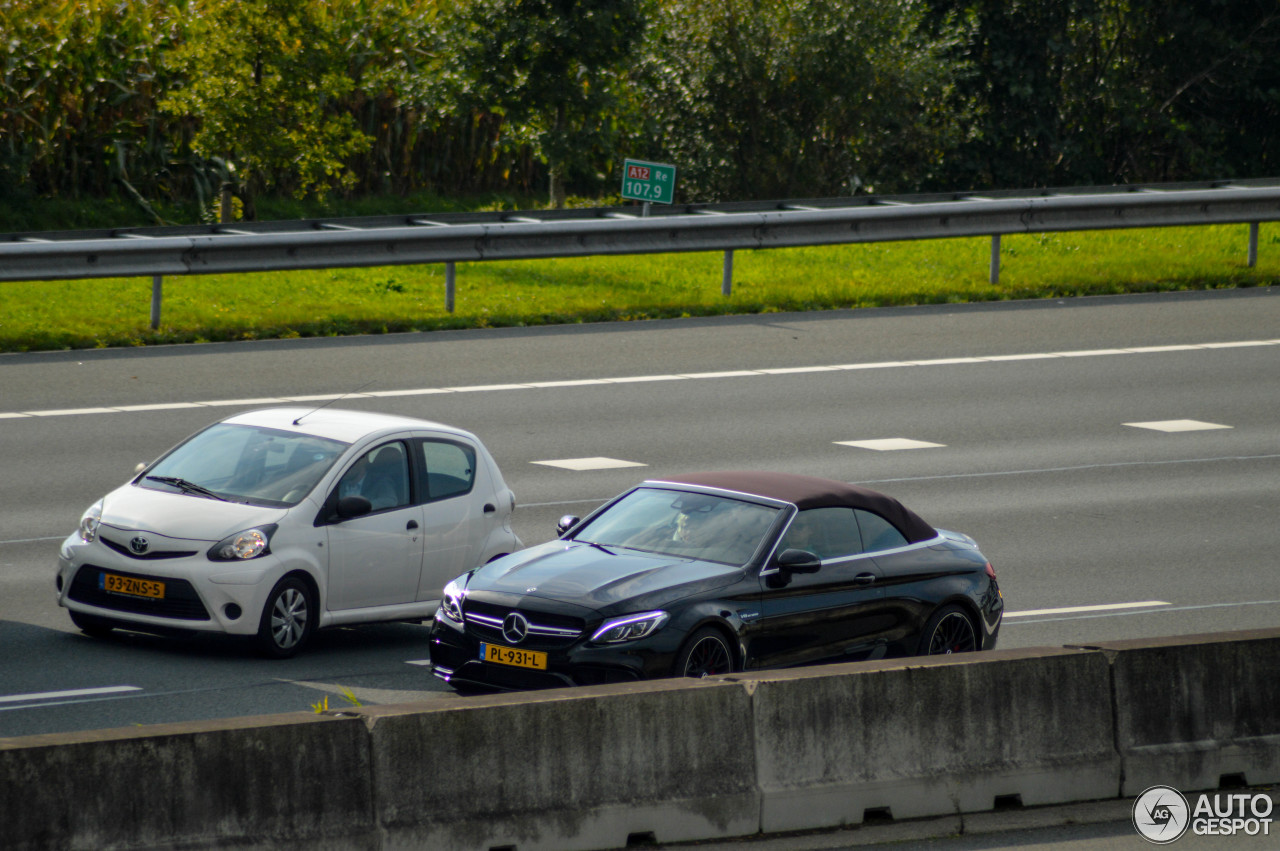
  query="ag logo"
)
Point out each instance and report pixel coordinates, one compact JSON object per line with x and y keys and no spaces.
{"x":1161,"y":814}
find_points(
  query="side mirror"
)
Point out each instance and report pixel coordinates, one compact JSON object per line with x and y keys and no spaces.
{"x":353,"y":506}
{"x":565,"y":524}
{"x":799,"y":561}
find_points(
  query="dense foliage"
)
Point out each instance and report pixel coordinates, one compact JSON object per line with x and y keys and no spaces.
{"x":168,"y":101}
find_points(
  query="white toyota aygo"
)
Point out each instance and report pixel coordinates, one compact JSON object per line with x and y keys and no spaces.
{"x":278,"y":522}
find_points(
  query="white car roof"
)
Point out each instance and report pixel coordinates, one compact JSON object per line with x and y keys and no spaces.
{"x":337,"y":423}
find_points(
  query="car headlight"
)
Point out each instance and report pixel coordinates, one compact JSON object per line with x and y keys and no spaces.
{"x":90,"y":522}
{"x":245,"y":545}
{"x":451,"y":603}
{"x":629,"y":628}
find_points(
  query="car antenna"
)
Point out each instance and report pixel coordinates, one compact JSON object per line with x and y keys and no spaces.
{"x":331,"y":401}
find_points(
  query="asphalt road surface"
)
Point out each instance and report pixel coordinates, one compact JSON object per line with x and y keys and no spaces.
{"x":1117,"y":458}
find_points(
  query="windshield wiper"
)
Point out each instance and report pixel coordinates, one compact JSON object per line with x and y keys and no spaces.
{"x":187,"y":487}
{"x":599,"y":547}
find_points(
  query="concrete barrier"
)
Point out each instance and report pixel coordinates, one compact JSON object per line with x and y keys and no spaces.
{"x":282,"y":781}
{"x":571,"y":769}
{"x":671,"y":760}
{"x":924,"y":737}
{"x":1195,"y":709}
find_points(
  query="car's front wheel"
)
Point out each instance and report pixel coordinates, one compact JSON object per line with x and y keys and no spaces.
{"x":949,"y":630}
{"x":705,"y":654}
{"x":287,"y":620}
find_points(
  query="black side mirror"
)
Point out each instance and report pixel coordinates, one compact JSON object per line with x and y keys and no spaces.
{"x":353,"y":506}
{"x":565,"y":524}
{"x":799,"y":561}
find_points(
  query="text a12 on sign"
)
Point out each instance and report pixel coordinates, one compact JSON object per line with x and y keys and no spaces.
{"x":645,"y":181}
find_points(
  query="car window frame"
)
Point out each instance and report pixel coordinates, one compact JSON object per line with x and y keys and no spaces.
{"x":905,"y":543}
{"x":328,"y":513}
{"x":421,"y":474}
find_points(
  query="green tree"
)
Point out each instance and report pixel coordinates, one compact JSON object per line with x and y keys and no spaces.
{"x":1123,"y":91}
{"x":554,"y":69}
{"x":265,"y":83}
{"x":785,"y":98}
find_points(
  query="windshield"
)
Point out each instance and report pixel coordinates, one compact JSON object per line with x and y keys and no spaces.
{"x":687,"y":525}
{"x":259,"y":466}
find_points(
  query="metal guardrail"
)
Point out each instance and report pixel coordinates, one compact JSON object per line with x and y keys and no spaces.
{"x":473,"y":237}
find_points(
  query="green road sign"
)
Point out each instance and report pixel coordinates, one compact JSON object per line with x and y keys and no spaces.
{"x":643,"y":181}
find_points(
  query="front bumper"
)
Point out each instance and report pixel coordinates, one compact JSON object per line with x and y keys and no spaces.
{"x":456,"y":659}
{"x":198,"y":595}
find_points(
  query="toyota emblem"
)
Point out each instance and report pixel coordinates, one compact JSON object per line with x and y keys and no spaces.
{"x":515,"y":627}
{"x":139,"y":544}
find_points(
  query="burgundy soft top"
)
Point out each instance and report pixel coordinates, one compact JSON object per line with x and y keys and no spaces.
{"x":814,"y":492}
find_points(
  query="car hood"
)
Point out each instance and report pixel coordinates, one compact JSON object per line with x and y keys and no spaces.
{"x":178,"y":515}
{"x":586,"y":575}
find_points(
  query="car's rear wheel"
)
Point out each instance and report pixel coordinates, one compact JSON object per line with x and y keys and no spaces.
{"x":705,"y":654}
{"x":92,"y":626}
{"x":949,"y":630}
{"x":287,"y":620}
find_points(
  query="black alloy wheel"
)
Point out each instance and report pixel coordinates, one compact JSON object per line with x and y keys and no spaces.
{"x":287,"y":619}
{"x":948,"y":631}
{"x":706,"y":654}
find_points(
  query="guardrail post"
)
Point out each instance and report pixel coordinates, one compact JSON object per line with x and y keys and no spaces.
{"x":995,"y":259}
{"x":1253,"y":244}
{"x":726,"y":286}
{"x":450,"y":274}
{"x":157,"y":295}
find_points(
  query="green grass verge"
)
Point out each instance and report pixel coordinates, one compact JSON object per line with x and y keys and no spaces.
{"x":116,"y":312}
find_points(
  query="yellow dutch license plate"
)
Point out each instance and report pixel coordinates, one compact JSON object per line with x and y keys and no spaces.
{"x":130,"y":585}
{"x":511,"y":656}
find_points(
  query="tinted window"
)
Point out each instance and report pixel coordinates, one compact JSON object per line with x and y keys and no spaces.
{"x":687,"y":525}
{"x":451,"y":468}
{"x":826,"y":532}
{"x":381,"y":476}
{"x":878,"y":533}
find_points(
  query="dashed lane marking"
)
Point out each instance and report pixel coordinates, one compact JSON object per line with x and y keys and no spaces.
{"x":1072,"y":610}
{"x":1172,"y":426}
{"x":890,"y":444}
{"x":584,"y":464}
{"x":40,"y":696}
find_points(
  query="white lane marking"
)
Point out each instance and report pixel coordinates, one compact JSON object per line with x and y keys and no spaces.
{"x":582,"y":464}
{"x":1155,"y":611}
{"x":637,"y":379}
{"x":1071,"y":610}
{"x":1177,"y":425}
{"x":890,"y":444}
{"x":71,"y":412}
{"x":34,"y":540}
{"x":422,"y":391}
{"x":421,"y":663}
{"x":1039,"y":471}
{"x":57,"y":695}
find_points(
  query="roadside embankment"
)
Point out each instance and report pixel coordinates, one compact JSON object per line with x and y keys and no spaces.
{"x":672,"y":760}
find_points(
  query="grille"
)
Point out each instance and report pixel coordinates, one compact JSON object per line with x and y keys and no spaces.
{"x":547,"y":631}
{"x":180,"y":601}
{"x":153,"y":554}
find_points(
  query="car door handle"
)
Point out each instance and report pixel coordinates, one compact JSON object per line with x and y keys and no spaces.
{"x":864,"y":579}
{"x":489,"y":508}
{"x":412,"y":524}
